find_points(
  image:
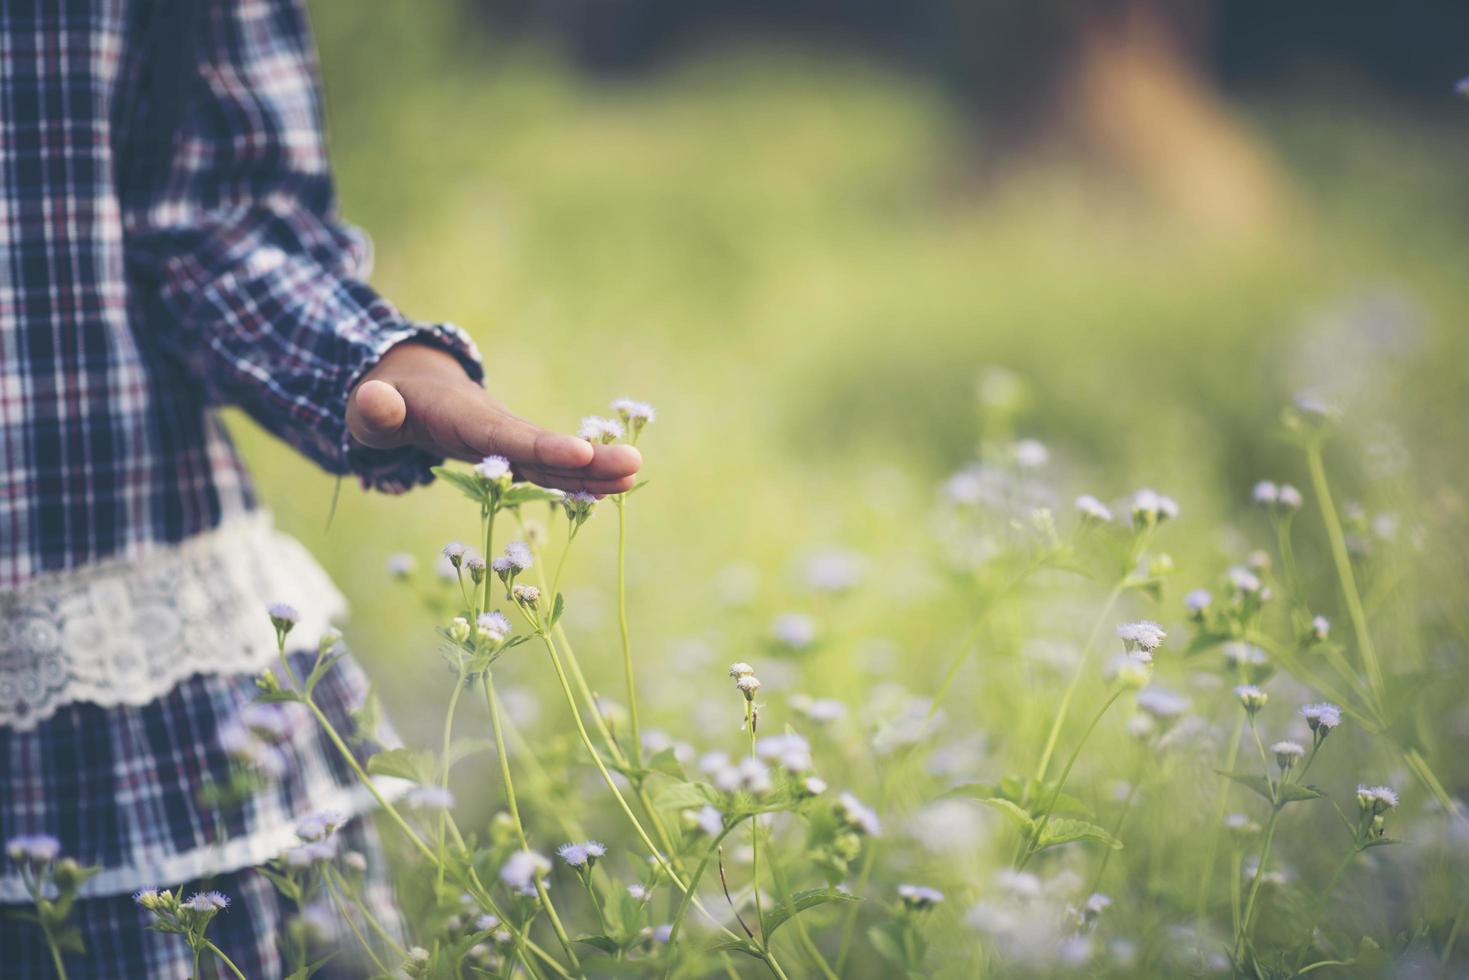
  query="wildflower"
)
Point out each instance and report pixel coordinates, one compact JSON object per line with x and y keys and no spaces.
{"x":526,"y":595}
{"x":741,"y":669}
{"x":401,"y":564}
{"x":1092,"y":510}
{"x":35,"y":850}
{"x":1144,"y":636}
{"x":661,"y":934}
{"x":919,"y":898}
{"x":207,"y":903}
{"x":755,"y":777}
{"x":487,"y":923}
{"x":820,"y":710}
{"x":813,"y":786}
{"x":1252,"y":698}
{"x":1244,"y":581}
{"x":1322,"y":717}
{"x":1287,"y":753}
{"x":1030,"y":454}
{"x":319,"y":825}
{"x":1266,"y":494}
{"x":1320,"y":629}
{"x":492,"y":628}
{"x":476,"y":566}
{"x":578,"y":506}
{"x":312,"y":853}
{"x":1141,"y":727}
{"x":522,"y":870}
{"x":429,"y":798}
{"x":706,"y":819}
{"x":794,"y":630}
{"x":748,"y":685}
{"x":519,"y":555}
{"x":283,"y":618}
{"x":1290,"y":498}
{"x":355,"y":861}
{"x":1376,"y":799}
{"x":857,"y":815}
{"x":455,"y":552}
{"x":638,"y":892}
{"x":1197,"y":603}
{"x":583,"y":855}
{"x":265,"y":721}
{"x":1241,"y":826}
{"x":1020,"y":884}
{"x":1091,"y":910}
{"x":459,"y":629}
{"x":1245,"y":657}
{"x":597,"y":429}
{"x":1150,"y":508}
{"x":1135,"y":670}
{"x":494,"y":469}
{"x":634,"y":414}
{"x":1161,"y":704}
{"x":150,"y":899}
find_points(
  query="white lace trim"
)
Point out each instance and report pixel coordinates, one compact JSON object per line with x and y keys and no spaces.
{"x":126,"y":632}
{"x":250,"y":851}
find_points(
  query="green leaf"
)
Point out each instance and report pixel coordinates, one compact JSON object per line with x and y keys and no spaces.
{"x":557,"y":608}
{"x":367,"y":717}
{"x":1022,"y":819}
{"x":526,"y":493}
{"x":1295,"y":792}
{"x":799,"y":902}
{"x":685,"y":796}
{"x":605,"y":943}
{"x":323,"y":664}
{"x":468,"y":485}
{"x":1258,"y":783}
{"x":1064,"y":830}
{"x":402,"y":763}
{"x":1380,"y":842}
{"x":666,"y":761}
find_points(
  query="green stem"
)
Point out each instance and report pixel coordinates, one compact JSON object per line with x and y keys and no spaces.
{"x":56,"y":956}
{"x":367,"y":916}
{"x":687,"y":897}
{"x":444,"y":772}
{"x":352,"y":924}
{"x":1034,"y":838}
{"x":632,"y":694}
{"x":1320,"y":904}
{"x":220,"y":953}
{"x":493,"y":703}
{"x":786,"y":896}
{"x":1207,"y":878}
{"x":1344,"y":573}
{"x":484,"y":593}
{"x":755,"y":833}
{"x":1070,"y":693}
{"x":1259,"y":876}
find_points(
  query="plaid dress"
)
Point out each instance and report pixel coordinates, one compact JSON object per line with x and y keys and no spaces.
{"x":168,"y":242}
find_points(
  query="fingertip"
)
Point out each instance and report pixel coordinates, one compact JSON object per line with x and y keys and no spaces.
{"x":564,"y":452}
{"x":618,"y":461}
{"x":608,"y":487}
{"x":380,"y":410}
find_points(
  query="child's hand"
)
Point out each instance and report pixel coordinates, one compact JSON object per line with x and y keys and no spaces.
{"x":419,"y":395}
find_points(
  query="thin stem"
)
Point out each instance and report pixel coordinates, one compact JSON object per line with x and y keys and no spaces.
{"x":1207,"y":878}
{"x":786,"y":896}
{"x":1344,"y":573}
{"x":352,"y":924}
{"x":1081,"y":663}
{"x":1259,"y":876}
{"x":1320,"y":904}
{"x":220,"y":953}
{"x":754,"y":831}
{"x":444,"y":769}
{"x":1034,"y":838}
{"x":493,"y":703}
{"x":484,"y":593}
{"x":367,"y":916}
{"x":687,"y":897}
{"x":632,"y":694}
{"x":56,"y":955}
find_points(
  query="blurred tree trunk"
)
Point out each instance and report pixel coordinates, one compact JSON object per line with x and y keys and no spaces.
{"x":1138,"y":97}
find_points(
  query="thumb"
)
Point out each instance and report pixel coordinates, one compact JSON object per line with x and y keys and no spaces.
{"x":376,"y":414}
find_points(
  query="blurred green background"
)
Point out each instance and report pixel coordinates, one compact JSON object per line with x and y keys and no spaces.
{"x":806,"y":255}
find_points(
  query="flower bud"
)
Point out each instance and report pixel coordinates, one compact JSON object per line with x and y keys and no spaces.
{"x":1251,"y":698}
{"x":459,"y":629}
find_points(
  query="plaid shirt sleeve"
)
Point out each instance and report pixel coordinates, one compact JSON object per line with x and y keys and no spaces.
{"x":255,"y":283}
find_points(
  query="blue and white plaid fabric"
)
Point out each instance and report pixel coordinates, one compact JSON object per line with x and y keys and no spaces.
{"x":149,"y":273}
{"x":135,"y":790}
